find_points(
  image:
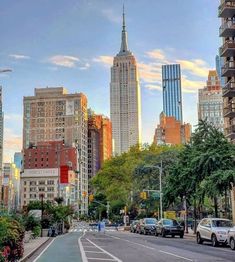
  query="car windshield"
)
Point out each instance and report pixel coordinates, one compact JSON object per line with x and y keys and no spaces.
{"x":168,"y":222}
{"x":222,"y":223}
{"x":150,"y":221}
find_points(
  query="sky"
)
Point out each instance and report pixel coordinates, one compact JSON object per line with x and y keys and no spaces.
{"x":71,"y":43}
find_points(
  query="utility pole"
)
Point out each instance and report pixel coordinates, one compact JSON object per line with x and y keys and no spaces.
{"x":160,"y":181}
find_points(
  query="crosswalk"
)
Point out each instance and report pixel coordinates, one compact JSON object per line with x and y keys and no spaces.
{"x":90,"y":230}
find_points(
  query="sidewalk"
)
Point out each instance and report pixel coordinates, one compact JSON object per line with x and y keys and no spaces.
{"x":190,"y":233}
{"x":32,"y":246}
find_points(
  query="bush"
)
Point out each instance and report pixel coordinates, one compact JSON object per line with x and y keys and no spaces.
{"x":36,"y":231}
{"x":11,"y":239}
{"x":31,"y":222}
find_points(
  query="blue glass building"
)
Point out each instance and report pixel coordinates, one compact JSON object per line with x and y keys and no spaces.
{"x":172,"y":95}
{"x":219,"y":63}
{"x":18,"y":159}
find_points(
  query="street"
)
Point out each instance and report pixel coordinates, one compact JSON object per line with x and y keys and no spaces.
{"x":127,"y":247}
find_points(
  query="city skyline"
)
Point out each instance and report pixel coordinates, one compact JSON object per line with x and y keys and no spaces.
{"x":63,"y":48}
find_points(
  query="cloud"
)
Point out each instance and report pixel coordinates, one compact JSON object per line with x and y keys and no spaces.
{"x":196,"y":67}
{"x":105,"y":60}
{"x":13,"y":117}
{"x":19,"y":57}
{"x":85,"y":66}
{"x":12,"y":144}
{"x":111,"y":16}
{"x":157,"y":54}
{"x":64,"y":60}
{"x":153,"y":87}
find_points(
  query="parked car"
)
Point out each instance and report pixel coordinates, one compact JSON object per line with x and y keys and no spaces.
{"x":137,"y":229}
{"x":133,"y":226}
{"x":214,"y":230}
{"x":169,"y":227}
{"x":231,"y":238}
{"x":148,"y":226}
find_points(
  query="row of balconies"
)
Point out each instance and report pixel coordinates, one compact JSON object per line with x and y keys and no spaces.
{"x":230,"y":132}
{"x":229,"y":89}
{"x":227,"y":8}
{"x":229,"y":110}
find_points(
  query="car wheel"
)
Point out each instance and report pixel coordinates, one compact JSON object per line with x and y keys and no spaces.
{"x":214,"y":240}
{"x":199,"y":239}
{"x":181,"y":235}
{"x":232,"y":243}
{"x":163,"y":233}
{"x":173,"y":236}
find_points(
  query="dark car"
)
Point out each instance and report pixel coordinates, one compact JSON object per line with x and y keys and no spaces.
{"x":169,"y":227}
{"x":133,"y":226}
{"x":148,"y":226}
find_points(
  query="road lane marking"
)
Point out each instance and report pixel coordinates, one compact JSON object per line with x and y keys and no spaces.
{"x":102,"y":259}
{"x":83,"y":254}
{"x":188,"y":259}
{"x":171,"y":254}
{"x":95,"y":252}
{"x":115,"y":258}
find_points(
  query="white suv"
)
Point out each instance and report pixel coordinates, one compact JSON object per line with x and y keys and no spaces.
{"x":231,"y":238}
{"x":214,"y":230}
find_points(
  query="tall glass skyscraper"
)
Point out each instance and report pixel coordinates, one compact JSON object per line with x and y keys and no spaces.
{"x":219,"y":63}
{"x":172,"y":96}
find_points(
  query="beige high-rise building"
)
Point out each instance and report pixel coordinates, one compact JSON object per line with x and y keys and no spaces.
{"x":125,"y":99}
{"x":54,"y":115}
{"x":210,"y":101}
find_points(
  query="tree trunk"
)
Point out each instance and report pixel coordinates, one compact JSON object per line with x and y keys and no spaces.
{"x":216,"y":207}
{"x":225,"y":204}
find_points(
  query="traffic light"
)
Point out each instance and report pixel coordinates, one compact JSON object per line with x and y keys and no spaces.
{"x":143,"y":195}
{"x":91,"y":198}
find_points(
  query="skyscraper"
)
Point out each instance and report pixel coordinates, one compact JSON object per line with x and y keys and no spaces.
{"x":210,"y":101}
{"x":18,"y":159}
{"x":227,"y":52}
{"x":172,"y":97}
{"x":219,"y":63}
{"x":54,"y":115}
{"x":125,"y":98}
{"x":99,"y":142}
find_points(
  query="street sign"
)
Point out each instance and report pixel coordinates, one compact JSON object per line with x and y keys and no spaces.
{"x":156,"y":195}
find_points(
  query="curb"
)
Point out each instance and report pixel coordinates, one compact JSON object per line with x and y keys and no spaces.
{"x":34,"y":251}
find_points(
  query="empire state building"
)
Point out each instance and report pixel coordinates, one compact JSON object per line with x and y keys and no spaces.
{"x":125,"y":98}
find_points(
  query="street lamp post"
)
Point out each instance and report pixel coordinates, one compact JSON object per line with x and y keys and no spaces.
{"x":160,"y":185}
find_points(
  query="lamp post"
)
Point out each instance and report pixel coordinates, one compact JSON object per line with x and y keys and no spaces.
{"x":160,"y":185}
{"x":42,"y":207}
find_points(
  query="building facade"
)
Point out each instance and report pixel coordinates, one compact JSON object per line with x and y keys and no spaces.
{"x":219,"y":63}
{"x":172,"y":95}
{"x":227,"y":52}
{"x":210,"y":101}
{"x":99,"y":142}
{"x":1,"y":139}
{"x":54,"y":115}
{"x":171,"y":131}
{"x":125,"y":99}
{"x":18,"y":159}
{"x":10,"y":187}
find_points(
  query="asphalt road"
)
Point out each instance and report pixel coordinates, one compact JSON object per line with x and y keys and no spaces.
{"x":127,"y":247}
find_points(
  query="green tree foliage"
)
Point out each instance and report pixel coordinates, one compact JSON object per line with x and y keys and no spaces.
{"x":123,"y":177}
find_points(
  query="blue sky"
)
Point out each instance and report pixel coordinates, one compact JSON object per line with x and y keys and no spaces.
{"x":71,"y":44}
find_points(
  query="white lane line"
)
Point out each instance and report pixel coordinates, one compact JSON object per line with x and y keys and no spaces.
{"x":43,"y":250}
{"x":167,"y":253}
{"x":102,"y":259}
{"x":115,"y":258}
{"x":84,"y":258}
{"x":174,"y":255}
{"x":95,"y":252}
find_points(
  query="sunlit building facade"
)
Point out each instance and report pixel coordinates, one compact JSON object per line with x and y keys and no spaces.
{"x":125,"y":99}
{"x":53,"y":114}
